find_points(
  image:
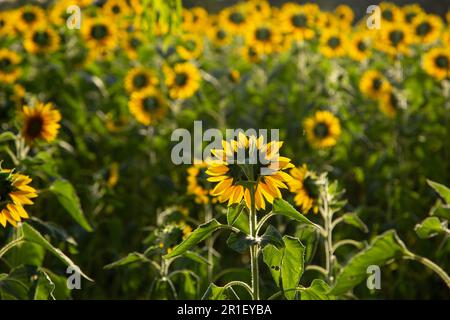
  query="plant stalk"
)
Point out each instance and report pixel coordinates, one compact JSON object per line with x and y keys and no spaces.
{"x":254,"y":248}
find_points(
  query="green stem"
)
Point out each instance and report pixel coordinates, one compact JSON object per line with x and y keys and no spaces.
{"x":328,"y":225}
{"x":254,"y":248}
{"x":209,"y":242}
{"x":430,"y":264}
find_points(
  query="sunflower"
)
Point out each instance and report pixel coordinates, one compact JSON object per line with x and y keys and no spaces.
{"x":250,"y":54}
{"x":116,"y":9}
{"x":395,"y":39}
{"x":391,"y":12}
{"x":344,"y":14}
{"x":183,"y":80}
{"x":28,"y":17}
{"x":42,"y":39}
{"x":40,"y":122}
{"x":427,"y":28}
{"x":99,"y":35}
{"x":436,"y":62}
{"x":373,"y":84}
{"x":305,"y":189}
{"x":15,"y":192}
{"x":113,"y":175}
{"x":326,"y":21}
{"x":219,"y":35}
{"x":131,"y":42}
{"x":248,"y":162}
{"x":411,"y":11}
{"x":195,"y":20}
{"x":263,"y":37}
{"x":296,"y":21}
{"x":9,"y":66}
{"x":234,"y":75}
{"x":389,"y":104}
{"x":6,"y":28}
{"x":259,"y":9}
{"x":197,"y":183}
{"x":140,"y":79}
{"x":322,"y":130}
{"x":235,"y":19}
{"x":359,"y":47}
{"x":147,"y":106}
{"x":190,"y":46}
{"x":333,"y":43}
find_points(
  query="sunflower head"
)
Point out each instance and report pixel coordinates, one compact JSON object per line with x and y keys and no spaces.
{"x":183,"y":80}
{"x":42,"y":39}
{"x":15,"y":193}
{"x":436,"y":62}
{"x":296,"y":21}
{"x":303,"y":185}
{"x":411,"y":11}
{"x":391,"y":12}
{"x":344,"y":14}
{"x":235,"y":19}
{"x":373,"y":84}
{"x":245,"y":165}
{"x":427,"y":28}
{"x":147,"y":106}
{"x":41,"y":122}
{"x":359,"y":47}
{"x":28,"y":17}
{"x":395,"y":39}
{"x":322,"y":129}
{"x":332,"y":44}
{"x":190,"y":46}
{"x":389,"y":104}
{"x":263,"y":37}
{"x":9,"y":66}
{"x":99,"y":35}
{"x":219,"y":35}
{"x":197,"y":183}
{"x":140,"y":79}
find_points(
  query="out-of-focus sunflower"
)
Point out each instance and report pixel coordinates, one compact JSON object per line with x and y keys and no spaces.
{"x":197,"y":183}
{"x":235,"y":19}
{"x":58,"y":12}
{"x":147,"y":106}
{"x":305,"y":189}
{"x":190,"y":46}
{"x":259,"y":9}
{"x":28,"y":17}
{"x":359,"y":47}
{"x":6,"y":28}
{"x":322,"y":129}
{"x":395,"y":39}
{"x":244,"y":161}
{"x":195,"y":20}
{"x":344,"y":14}
{"x":40,"y":122}
{"x":391,"y":12}
{"x":234,"y":75}
{"x":131,"y":42}
{"x":15,"y":193}
{"x":113,"y":175}
{"x":333,"y":44}
{"x":116,"y":10}
{"x":99,"y":35}
{"x":389,"y":103}
{"x":411,"y":11}
{"x":250,"y":54}
{"x":427,"y":28}
{"x":219,"y":36}
{"x":296,"y":21}
{"x":436,"y":62}
{"x":9,"y":66}
{"x":140,"y":79}
{"x":373,"y":84}
{"x":183,"y":80}
{"x":41,"y":39}
{"x":263,"y":37}
{"x":326,"y":21}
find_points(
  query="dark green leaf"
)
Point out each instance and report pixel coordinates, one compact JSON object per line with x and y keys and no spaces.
{"x":272,"y":236}
{"x":429,"y":227}
{"x":292,"y":265}
{"x":285,"y":208}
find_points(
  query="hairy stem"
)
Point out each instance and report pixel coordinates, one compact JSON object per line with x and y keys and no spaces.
{"x":430,"y":264}
{"x":254,"y":248}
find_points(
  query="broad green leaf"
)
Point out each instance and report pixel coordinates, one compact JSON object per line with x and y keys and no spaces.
{"x":239,"y":242}
{"x":292,"y":265}
{"x":233,"y":213}
{"x":242,"y":222}
{"x":5,"y":136}
{"x":353,"y":220}
{"x":26,"y":253}
{"x":201,"y":233}
{"x":383,"y":248}
{"x":31,"y":235}
{"x":272,"y":258}
{"x":130,"y":258}
{"x":442,"y":190}
{"x":219,"y":293}
{"x":14,"y":286}
{"x":285,"y":208}
{"x":440,"y":210}
{"x":309,"y":236}
{"x":272,"y":236}
{"x":318,"y":290}
{"x":429,"y":227}
{"x":68,"y":198}
{"x":44,"y":287}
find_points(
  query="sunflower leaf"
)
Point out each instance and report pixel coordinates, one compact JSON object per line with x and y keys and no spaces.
{"x":286,"y":209}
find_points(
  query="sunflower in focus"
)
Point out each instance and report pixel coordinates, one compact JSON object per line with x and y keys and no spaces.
{"x":140,"y":79}
{"x":359,"y":47}
{"x":333,"y":44}
{"x":427,"y":28}
{"x":99,"y":35}
{"x":183,"y":80}
{"x":147,"y":106}
{"x":9,"y":66}
{"x":41,"y":39}
{"x":28,"y":17}
{"x":303,"y":186}
{"x":296,"y":21}
{"x":247,"y":161}
{"x":436,"y":62}
{"x":235,"y":19}
{"x":395,"y":39}
{"x":40,"y":122}
{"x":389,"y":104}
{"x":263,"y":37}
{"x":373,"y":84}
{"x":391,"y":12}
{"x":322,"y":129}
{"x":15,"y":193}
{"x":190,"y":46}
{"x":197,"y":183}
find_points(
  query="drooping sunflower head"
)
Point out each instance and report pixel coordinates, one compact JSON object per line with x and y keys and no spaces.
{"x":395,"y":39}
{"x":41,"y":39}
{"x":359,"y":47}
{"x":427,"y":28}
{"x":245,"y":164}
{"x":9,"y":66}
{"x":436,"y":62}
{"x":373,"y":84}
{"x":305,"y":189}
{"x":29,"y":16}
{"x":323,"y":129}
{"x":190,"y":46}
{"x":197,"y":183}
{"x":333,"y":44}
{"x":147,"y":106}
{"x":183,"y":80}
{"x":40,"y":122}
{"x":15,"y":192}
{"x":140,"y":79}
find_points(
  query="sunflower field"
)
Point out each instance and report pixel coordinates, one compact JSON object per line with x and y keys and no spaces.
{"x":347,"y":198}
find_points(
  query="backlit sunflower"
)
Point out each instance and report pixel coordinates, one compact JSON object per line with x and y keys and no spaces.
{"x":235,"y":19}
{"x":436,"y":63}
{"x":427,"y":28}
{"x":322,"y":129}
{"x":139,"y":79}
{"x":40,"y":122}
{"x":190,"y":46}
{"x":296,"y":21}
{"x":333,"y":43}
{"x":391,"y":12}
{"x":27,"y":17}
{"x":147,"y":106}
{"x":359,"y":47}
{"x":41,"y":39}
{"x":373,"y":84}
{"x":248,"y":161}
{"x":15,"y":193}
{"x":263,"y":37}
{"x":99,"y":35}
{"x":9,"y":66}
{"x":395,"y":39}
{"x":305,"y":189}
{"x":183,"y":80}
{"x":197,"y":183}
